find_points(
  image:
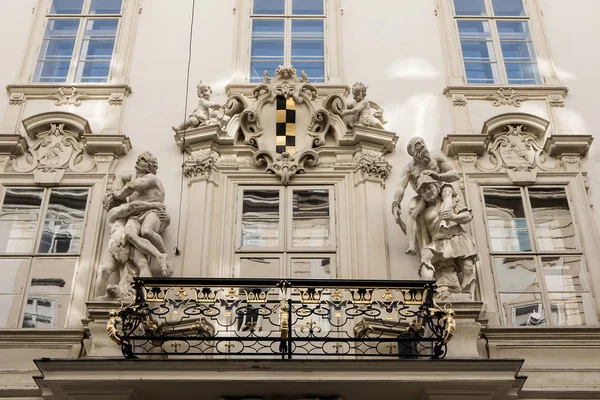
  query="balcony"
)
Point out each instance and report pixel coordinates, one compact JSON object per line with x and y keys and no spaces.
{"x":282,"y":319}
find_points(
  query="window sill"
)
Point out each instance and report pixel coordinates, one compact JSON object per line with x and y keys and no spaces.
{"x":507,"y":94}
{"x":543,"y":334}
{"x":40,"y":335}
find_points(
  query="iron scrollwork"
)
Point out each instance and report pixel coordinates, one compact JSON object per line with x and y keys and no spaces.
{"x":223,"y":318}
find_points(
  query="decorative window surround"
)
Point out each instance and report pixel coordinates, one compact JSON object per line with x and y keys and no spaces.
{"x":455,"y":75}
{"x":511,"y":151}
{"x":350,"y":160}
{"x":333,"y":54}
{"x":121,"y":59}
{"x":323,"y":90}
{"x":506,"y":95}
{"x":67,"y":94}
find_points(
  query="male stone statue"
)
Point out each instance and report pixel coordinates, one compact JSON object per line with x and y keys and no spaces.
{"x":435,"y":165}
{"x":137,"y":216}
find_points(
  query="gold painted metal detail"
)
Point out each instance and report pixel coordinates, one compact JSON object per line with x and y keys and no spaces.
{"x":257,"y":295}
{"x":362,"y":329}
{"x":284,"y":323}
{"x":206,"y":295}
{"x":362,"y":296}
{"x":448,"y":318}
{"x":111,"y":328}
{"x":310,"y":295}
{"x":387,"y":295}
{"x":310,"y":327}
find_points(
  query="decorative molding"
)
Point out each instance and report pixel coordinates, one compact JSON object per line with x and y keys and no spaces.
{"x":568,"y":145}
{"x":72,"y":95}
{"x":454,"y":145}
{"x":16,"y":98}
{"x":68,"y":96}
{"x":15,"y":145}
{"x":373,"y":164}
{"x":41,"y":123}
{"x":106,"y":145}
{"x":507,"y":96}
{"x":502,"y":95}
{"x":531,"y":123}
{"x":459,"y":100}
{"x":200,"y":163}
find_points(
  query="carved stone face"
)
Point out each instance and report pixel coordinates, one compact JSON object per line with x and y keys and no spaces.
{"x":420,"y":152}
{"x":204,"y":91}
{"x":146,"y":163}
{"x":429,"y":192}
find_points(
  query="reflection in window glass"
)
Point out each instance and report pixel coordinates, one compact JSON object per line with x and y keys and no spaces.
{"x":564,"y":274}
{"x":310,"y":218}
{"x":478,"y":52}
{"x":469,"y":7}
{"x":311,"y":268}
{"x":44,"y":311}
{"x":260,"y":218}
{"x":19,"y":219}
{"x":554,"y":228}
{"x":516,"y":274}
{"x":508,"y":8}
{"x":63,"y":225}
{"x":105,"y":7}
{"x":259,"y":267}
{"x":506,"y":220}
{"x":269,"y":7}
{"x":307,"y":7}
{"x":266,"y":52}
{"x":522,"y":309}
{"x":308,"y":48}
{"x":66,"y":7}
{"x":571,"y":309}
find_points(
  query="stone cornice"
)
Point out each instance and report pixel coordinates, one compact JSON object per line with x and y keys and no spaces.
{"x":194,"y":138}
{"x":12,"y":337}
{"x":506,"y":94}
{"x":576,"y":335}
{"x":37,"y":89}
{"x":42,"y":122}
{"x":15,"y":145}
{"x":454,"y":145}
{"x":117,"y":145}
{"x":324,"y":90}
{"x":568,"y":145}
{"x":371,"y":137}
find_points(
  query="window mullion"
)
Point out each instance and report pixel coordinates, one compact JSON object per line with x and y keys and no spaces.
{"x":41,"y":220}
{"x":498,"y":51}
{"x":71,"y":77}
{"x":544,"y":290}
{"x":530,"y":220}
{"x":26,"y":289}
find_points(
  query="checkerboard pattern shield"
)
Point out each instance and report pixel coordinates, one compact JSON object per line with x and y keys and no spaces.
{"x":285,"y":125}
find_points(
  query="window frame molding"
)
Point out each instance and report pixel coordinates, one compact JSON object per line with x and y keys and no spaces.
{"x":243,"y":36}
{"x":455,"y":71}
{"x":120,"y":61}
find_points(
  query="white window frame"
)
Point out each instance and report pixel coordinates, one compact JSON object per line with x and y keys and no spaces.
{"x":121,"y":58}
{"x":333,"y":56}
{"x":456,"y":75}
{"x":285,"y":251}
{"x":535,"y":254}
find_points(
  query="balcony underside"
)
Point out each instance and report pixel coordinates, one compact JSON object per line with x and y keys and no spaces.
{"x":118,"y":379}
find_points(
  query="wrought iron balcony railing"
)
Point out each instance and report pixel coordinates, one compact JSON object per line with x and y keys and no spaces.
{"x":226,"y":318}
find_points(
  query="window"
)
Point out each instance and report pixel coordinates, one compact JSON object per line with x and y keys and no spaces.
{"x":496,"y":42}
{"x":35,"y":291}
{"x":79,"y":41}
{"x":538,"y":263}
{"x":286,"y":232}
{"x":34,"y":220}
{"x":285,"y":32}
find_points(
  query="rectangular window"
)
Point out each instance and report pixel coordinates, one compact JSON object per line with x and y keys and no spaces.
{"x":496,"y":42}
{"x":286,"y":232}
{"x":79,"y":41}
{"x":34,"y":220}
{"x":538,"y":264}
{"x":288,"y":32}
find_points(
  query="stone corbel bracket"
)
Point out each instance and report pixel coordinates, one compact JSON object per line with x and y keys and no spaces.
{"x":506,"y":95}
{"x":11,"y":146}
{"x":106,"y":150}
{"x":569,"y":149}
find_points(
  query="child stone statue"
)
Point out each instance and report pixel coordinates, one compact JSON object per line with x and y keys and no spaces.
{"x":204,"y":114}
{"x":360,"y":109}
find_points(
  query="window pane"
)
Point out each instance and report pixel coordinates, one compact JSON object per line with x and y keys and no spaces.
{"x":516,"y":274}
{"x":269,"y":6}
{"x":513,"y":30}
{"x":66,"y":7}
{"x":564,"y":274}
{"x":469,"y":7}
{"x":307,"y":7}
{"x":22,"y":204}
{"x":523,"y":73}
{"x":258,"y":68}
{"x":266,"y":50}
{"x":311,"y":268}
{"x":307,"y":29}
{"x":58,"y":50}
{"x":67,"y":204}
{"x":260,"y":218}
{"x":101,"y":28}
{"x":517,"y":51}
{"x":105,"y":7}
{"x":474,"y":30}
{"x":522,"y":309}
{"x":61,"y":237}
{"x":10,"y":307}
{"x":310,"y":219}
{"x":307,"y":50}
{"x":52,"y":276}
{"x":481,"y":72}
{"x":571,"y":309}
{"x":506,"y":219}
{"x":478,"y":51}
{"x":14,"y":276}
{"x":52,"y":71}
{"x":259,"y":267}
{"x":45,"y":311}
{"x":267,"y":29}
{"x":61,"y":28}
{"x":508,"y":7}
{"x":314,"y":70}
{"x":554,"y":228}
{"x":17,"y":236}
{"x":93,"y":71}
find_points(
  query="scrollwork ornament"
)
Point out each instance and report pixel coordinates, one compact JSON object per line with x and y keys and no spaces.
{"x":506,"y":96}
{"x":68,"y":96}
{"x":200,"y":163}
{"x":373,"y":164}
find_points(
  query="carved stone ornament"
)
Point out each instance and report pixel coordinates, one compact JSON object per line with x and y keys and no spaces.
{"x":200,"y":163}
{"x":16,"y":99}
{"x":373,"y":164}
{"x":302,"y":127}
{"x":459,"y":100}
{"x":556,"y":100}
{"x":56,"y":147}
{"x":68,"y":96}
{"x":506,"y":96}
{"x":116,"y":99}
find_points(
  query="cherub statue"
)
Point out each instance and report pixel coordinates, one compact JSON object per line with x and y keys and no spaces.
{"x":360,"y":109}
{"x":205,"y":113}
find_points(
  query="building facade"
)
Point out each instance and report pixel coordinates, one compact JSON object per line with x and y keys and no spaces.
{"x":282,"y":131}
